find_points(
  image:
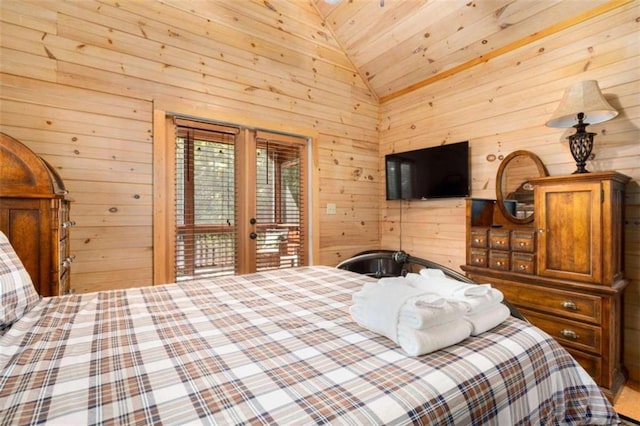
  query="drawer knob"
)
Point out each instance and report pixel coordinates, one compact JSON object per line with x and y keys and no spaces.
{"x":498,"y":263}
{"x":568,"y":304}
{"x":569,"y":334}
{"x":522,"y":267}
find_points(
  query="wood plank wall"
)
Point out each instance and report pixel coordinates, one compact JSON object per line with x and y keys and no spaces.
{"x":80,"y":81}
{"x":501,"y":106}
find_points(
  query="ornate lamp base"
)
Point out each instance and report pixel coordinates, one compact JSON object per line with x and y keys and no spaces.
{"x":581,"y":144}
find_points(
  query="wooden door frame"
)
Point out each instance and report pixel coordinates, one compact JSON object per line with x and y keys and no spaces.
{"x":164,"y":254}
{"x":164,"y":196}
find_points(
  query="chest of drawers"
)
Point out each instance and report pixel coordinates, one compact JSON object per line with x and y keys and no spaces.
{"x":584,"y":318}
{"x":564,"y":269}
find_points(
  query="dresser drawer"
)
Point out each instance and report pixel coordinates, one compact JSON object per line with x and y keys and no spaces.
{"x":569,"y":333}
{"x":523,"y":241}
{"x":524,"y":263}
{"x":499,"y":239}
{"x":499,"y":260}
{"x":479,"y":237}
{"x":478,"y":257}
{"x":571,"y":305}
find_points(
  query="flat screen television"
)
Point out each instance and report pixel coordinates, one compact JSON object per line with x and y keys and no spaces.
{"x":436,"y":172}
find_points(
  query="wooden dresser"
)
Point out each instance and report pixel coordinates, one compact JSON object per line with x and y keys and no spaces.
{"x":34,"y":214}
{"x":564,"y":270}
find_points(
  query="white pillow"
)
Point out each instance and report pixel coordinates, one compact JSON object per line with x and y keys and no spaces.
{"x":17,"y":294}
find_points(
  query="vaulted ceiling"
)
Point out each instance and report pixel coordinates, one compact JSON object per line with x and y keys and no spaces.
{"x":399,"y":45}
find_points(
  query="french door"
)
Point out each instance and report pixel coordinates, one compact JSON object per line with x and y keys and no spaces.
{"x":240,"y":200}
{"x":278,"y":222}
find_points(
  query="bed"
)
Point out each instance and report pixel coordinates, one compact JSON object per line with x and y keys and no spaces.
{"x":275,"y":347}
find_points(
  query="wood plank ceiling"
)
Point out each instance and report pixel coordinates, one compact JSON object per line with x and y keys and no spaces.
{"x":400,"y":45}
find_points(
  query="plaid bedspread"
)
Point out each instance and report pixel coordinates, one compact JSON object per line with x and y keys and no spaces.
{"x":275,"y":347}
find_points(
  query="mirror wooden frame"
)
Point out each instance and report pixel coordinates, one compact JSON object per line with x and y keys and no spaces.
{"x":542,"y":171}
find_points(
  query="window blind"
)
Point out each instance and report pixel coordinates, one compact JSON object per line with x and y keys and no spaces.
{"x":205,"y":199}
{"x":280,"y":200}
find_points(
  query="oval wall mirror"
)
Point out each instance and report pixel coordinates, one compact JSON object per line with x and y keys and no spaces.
{"x":514,"y":193}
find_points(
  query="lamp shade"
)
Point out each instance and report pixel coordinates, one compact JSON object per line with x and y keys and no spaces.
{"x":585,"y":97}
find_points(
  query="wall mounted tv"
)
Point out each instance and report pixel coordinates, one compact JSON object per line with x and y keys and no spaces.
{"x":437,"y":172}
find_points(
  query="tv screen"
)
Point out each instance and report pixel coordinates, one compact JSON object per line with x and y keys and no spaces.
{"x":437,"y":172}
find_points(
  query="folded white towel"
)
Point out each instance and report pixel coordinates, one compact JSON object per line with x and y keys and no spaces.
{"x":428,"y":310}
{"x":488,"y":318}
{"x":377,"y":307}
{"x":424,"y":313}
{"x":478,"y":304}
{"x":474,"y":290}
{"x":432,"y":272}
{"x":419,"y":342}
{"x":427,"y":300}
{"x":476,"y":297}
{"x":371,"y":290}
{"x":450,"y":286}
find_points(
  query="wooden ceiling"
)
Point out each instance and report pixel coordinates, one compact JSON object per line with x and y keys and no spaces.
{"x":400,"y":45}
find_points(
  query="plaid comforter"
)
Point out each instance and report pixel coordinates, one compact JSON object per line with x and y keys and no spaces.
{"x":272,"y":348}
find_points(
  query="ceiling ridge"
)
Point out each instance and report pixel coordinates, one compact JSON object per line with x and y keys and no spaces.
{"x":357,"y":69}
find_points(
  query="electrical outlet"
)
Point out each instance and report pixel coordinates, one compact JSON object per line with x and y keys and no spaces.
{"x":331,"y":208}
